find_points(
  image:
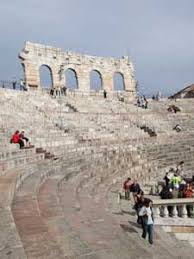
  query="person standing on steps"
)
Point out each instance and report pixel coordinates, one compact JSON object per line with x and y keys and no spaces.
{"x":135,"y":188}
{"x":105,"y":94}
{"x":146,"y":214}
{"x":126,"y":186}
{"x":180,"y":168}
{"x":167,"y":179}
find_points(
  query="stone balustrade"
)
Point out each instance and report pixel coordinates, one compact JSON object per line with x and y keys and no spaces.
{"x":173,"y":208}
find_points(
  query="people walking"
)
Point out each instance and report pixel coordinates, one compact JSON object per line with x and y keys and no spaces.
{"x":147,"y":220}
{"x":127,"y":186}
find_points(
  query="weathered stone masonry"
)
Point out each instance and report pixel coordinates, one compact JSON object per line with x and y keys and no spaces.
{"x":34,"y":55}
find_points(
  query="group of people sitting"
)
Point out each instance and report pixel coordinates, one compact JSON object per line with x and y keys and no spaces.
{"x":175,"y":185}
{"x":19,"y":138}
{"x":173,"y":108}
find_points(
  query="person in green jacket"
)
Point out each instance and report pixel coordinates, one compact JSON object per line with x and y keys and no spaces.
{"x":175,"y":181}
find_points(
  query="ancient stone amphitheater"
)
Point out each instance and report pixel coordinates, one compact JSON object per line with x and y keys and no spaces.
{"x":60,"y":199}
{"x":66,"y":206}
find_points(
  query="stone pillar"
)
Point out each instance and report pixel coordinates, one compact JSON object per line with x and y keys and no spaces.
{"x":156,"y":212}
{"x":31,"y":75}
{"x":107,"y":81}
{"x":184,"y":211}
{"x":166,"y":214}
{"x":57,"y":77}
{"x":174,"y":211}
{"x":83,"y":75}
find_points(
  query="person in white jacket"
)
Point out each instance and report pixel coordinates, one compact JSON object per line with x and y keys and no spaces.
{"x":146,"y":214}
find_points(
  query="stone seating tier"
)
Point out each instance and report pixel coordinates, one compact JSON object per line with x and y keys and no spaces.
{"x":96,"y":147}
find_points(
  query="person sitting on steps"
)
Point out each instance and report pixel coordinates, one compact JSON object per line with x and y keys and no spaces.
{"x":22,"y":137}
{"x":15,"y":139}
{"x":177,"y":128}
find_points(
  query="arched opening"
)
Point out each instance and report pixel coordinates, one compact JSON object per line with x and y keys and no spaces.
{"x":71,"y":81}
{"x":46,"y":78}
{"x":16,"y":81}
{"x":95,"y":80}
{"x":22,"y":72}
{"x":118,"y":80}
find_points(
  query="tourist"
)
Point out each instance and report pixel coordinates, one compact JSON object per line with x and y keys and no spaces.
{"x":175,"y":181}
{"x":182,"y":188}
{"x":121,"y":97}
{"x":14,"y":85}
{"x":25,"y":88}
{"x":188,"y":193}
{"x":147,"y":220}
{"x":173,"y":108}
{"x":142,"y":102}
{"x":135,"y":188}
{"x":138,"y":102}
{"x":21,"y":84}
{"x":22,"y":137}
{"x":127,"y":186}
{"x":64,"y":90}
{"x":177,"y":128}
{"x":166,"y":192}
{"x":105,"y":94}
{"x":167,"y":178}
{"x":145,"y":102}
{"x":139,"y":202}
{"x":15,"y":139}
{"x":180,"y":167}
{"x":51,"y":92}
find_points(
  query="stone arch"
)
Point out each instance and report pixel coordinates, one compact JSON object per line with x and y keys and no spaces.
{"x":71,"y":80}
{"x":96,"y":82}
{"x":45,"y":76}
{"x":118,"y":81}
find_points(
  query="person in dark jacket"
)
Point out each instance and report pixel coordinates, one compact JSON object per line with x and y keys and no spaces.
{"x":105,"y":94}
{"x":135,"y":188}
{"x":22,"y":137}
{"x":167,"y":179}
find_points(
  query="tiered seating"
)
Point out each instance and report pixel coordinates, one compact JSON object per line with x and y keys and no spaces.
{"x":64,"y":207}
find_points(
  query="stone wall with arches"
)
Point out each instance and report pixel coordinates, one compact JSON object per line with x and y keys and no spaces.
{"x":34,"y":55}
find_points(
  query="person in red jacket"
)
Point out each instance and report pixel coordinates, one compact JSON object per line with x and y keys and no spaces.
{"x":126,"y":186}
{"x":188,"y":193}
{"x":15,"y":139}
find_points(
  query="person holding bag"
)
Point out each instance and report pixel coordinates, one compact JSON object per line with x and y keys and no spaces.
{"x":146,"y":215}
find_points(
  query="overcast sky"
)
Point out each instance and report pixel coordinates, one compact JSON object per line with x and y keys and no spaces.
{"x":158,"y":35}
